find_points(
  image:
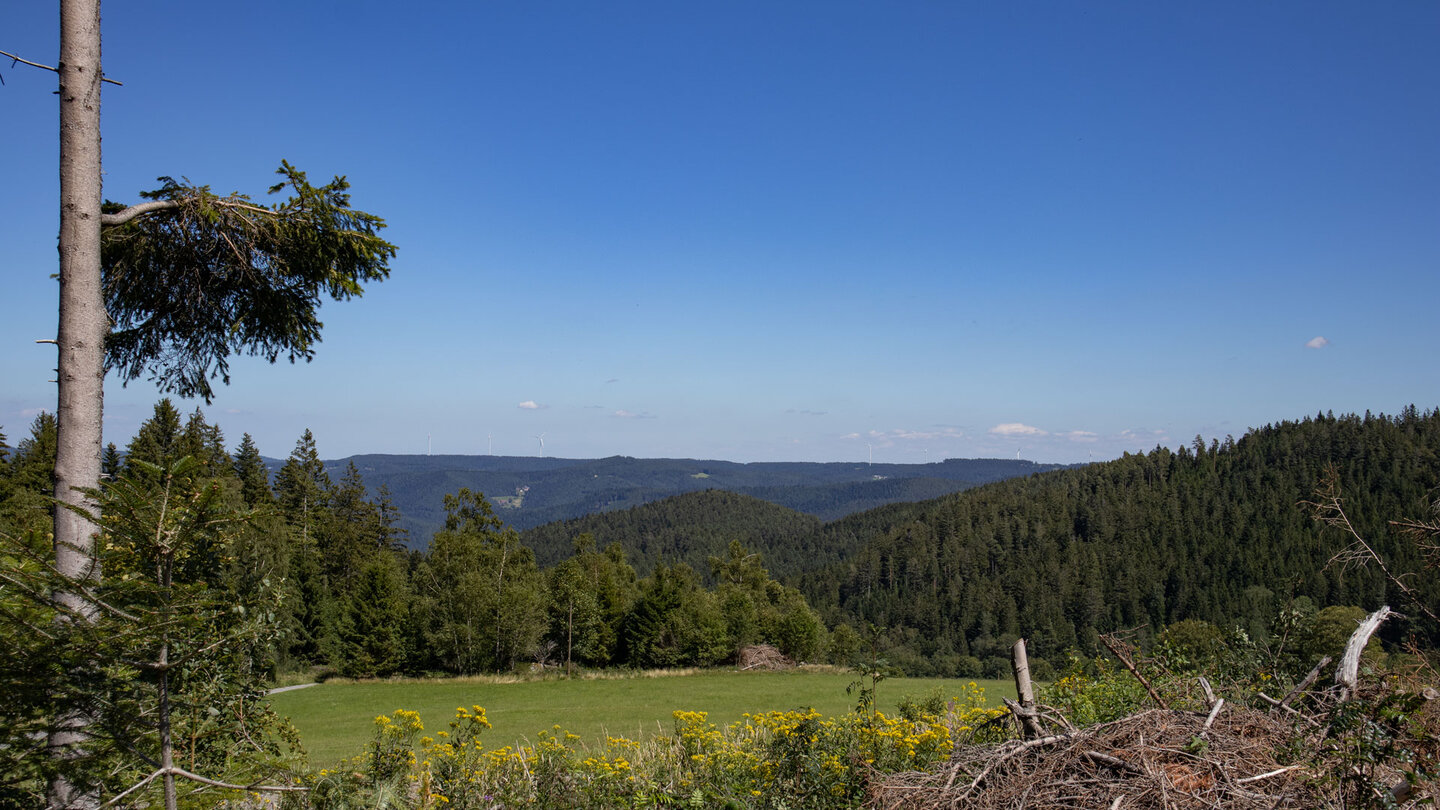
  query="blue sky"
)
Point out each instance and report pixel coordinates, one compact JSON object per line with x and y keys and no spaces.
{"x":788,"y":231}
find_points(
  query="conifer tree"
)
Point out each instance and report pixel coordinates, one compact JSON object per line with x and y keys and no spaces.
{"x":674,"y":622}
{"x":254,"y":477}
{"x":391,"y":536}
{"x":302,"y":486}
{"x":302,"y":490}
{"x":348,"y":538}
{"x":111,"y":463}
{"x":205,"y":443}
{"x":158,"y":440}
{"x":26,"y":508}
{"x":590,"y":595}
{"x":178,"y":305}
{"x":371,"y":622}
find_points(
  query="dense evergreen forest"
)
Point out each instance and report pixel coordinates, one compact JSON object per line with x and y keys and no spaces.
{"x":331,"y":561}
{"x":686,"y":529}
{"x":1215,"y":533}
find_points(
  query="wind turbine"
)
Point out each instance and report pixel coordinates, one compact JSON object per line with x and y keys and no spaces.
{"x":872,"y":453}
{"x":491,"y":437}
{"x":541,"y":437}
{"x":429,"y":444}
{"x":1017,"y":454}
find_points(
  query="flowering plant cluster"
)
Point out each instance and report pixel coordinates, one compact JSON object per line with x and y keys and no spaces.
{"x":780,"y":759}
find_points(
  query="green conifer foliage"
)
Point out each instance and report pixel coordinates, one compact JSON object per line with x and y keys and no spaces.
{"x":302,"y":490}
{"x":254,"y":477}
{"x":590,"y":595}
{"x":158,"y":440}
{"x":372,"y":620}
{"x":172,"y":661}
{"x":29,"y":481}
{"x":675,"y":622}
{"x":191,"y":276}
{"x":111,"y":464}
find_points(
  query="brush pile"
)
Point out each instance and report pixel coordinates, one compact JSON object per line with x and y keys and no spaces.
{"x":1345,"y":746}
{"x":1157,"y":759}
{"x":762,"y":657}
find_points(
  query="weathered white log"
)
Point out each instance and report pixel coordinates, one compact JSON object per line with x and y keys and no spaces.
{"x":1347,"y":675}
{"x":1025,"y":691}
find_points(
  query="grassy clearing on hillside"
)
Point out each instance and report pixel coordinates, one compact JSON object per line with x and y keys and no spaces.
{"x":335,"y":719}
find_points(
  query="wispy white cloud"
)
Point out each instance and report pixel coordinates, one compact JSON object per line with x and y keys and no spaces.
{"x":1130,"y":435}
{"x":530,"y":405}
{"x":1317,"y":342}
{"x":1081,"y":436}
{"x":924,"y":435}
{"x":1017,"y":429}
{"x":889,"y":438}
{"x":624,"y":414}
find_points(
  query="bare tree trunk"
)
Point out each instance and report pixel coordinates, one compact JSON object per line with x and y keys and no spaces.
{"x":500,"y":599}
{"x":167,"y":747}
{"x":1020,"y":663}
{"x":81,"y":338}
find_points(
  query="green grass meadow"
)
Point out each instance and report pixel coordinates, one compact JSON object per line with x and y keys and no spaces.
{"x":336,"y":719}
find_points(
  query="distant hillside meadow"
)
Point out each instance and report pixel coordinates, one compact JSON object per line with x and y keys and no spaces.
{"x":531,"y":491}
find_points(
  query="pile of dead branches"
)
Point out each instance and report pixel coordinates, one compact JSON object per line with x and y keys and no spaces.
{"x":1276,"y":753}
{"x":762,"y":656}
{"x":1160,"y":758}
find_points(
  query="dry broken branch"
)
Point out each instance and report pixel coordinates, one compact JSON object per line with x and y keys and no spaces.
{"x":1328,"y":508}
{"x":1113,"y":645}
{"x":1308,"y":680}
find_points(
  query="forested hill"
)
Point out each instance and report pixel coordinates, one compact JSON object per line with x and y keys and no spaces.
{"x":1212,"y":532}
{"x":689,"y":528}
{"x":531,"y":491}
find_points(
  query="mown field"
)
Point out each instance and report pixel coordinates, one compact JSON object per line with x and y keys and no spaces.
{"x":335,"y":719}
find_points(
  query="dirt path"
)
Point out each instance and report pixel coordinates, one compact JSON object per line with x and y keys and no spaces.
{"x":280,"y":689}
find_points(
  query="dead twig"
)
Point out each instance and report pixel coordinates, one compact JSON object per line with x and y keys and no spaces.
{"x":1308,"y":680}
{"x":47,"y":67}
{"x":1328,"y":508}
{"x":1113,"y":645}
{"x":1210,"y":721}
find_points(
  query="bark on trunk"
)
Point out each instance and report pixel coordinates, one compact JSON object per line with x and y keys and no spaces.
{"x":81,"y":337}
{"x":1020,"y":663}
